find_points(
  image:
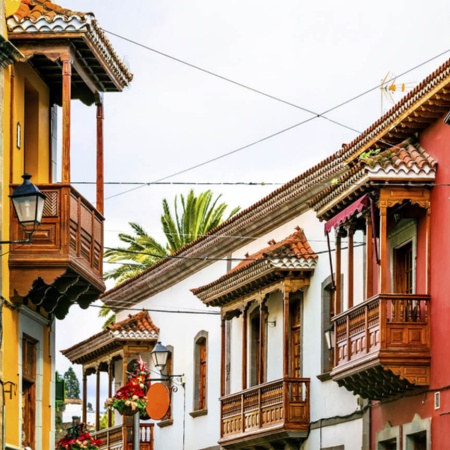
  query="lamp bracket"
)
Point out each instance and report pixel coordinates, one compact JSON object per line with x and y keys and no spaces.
{"x":180,"y":379}
{"x":19,"y":241}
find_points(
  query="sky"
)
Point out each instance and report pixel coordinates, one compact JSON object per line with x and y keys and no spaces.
{"x":267,"y":89}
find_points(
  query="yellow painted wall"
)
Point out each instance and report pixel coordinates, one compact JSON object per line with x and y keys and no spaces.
{"x":24,"y":80}
{"x":27,"y":80}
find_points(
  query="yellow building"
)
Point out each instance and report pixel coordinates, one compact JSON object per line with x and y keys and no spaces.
{"x":52,"y":56}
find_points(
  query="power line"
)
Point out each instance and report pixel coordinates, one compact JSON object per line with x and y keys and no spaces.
{"x":315,"y":115}
{"x":208,"y":258}
{"x":179,"y":311}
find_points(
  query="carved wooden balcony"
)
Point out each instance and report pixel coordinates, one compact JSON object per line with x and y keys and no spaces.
{"x":121,"y":438}
{"x":382,"y":346}
{"x":275,"y":412}
{"x":63,"y":265}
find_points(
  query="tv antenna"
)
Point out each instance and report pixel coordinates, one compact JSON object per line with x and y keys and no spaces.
{"x":389,"y":87}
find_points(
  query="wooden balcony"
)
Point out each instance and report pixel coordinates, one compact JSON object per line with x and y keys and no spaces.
{"x":64,"y":263}
{"x":382,"y":346}
{"x":113,"y":438}
{"x":275,"y":412}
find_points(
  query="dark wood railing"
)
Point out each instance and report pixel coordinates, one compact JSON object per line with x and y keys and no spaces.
{"x":385,"y":323}
{"x":71,"y":228}
{"x":113,"y":438}
{"x":276,"y":404}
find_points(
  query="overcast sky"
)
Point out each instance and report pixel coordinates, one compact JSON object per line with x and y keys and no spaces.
{"x":313,"y":55}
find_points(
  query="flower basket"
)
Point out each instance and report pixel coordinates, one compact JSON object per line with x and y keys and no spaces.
{"x":77,"y":438}
{"x":128,"y":400}
{"x":127,"y":411}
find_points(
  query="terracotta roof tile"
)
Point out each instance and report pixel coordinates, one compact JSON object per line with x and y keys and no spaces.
{"x":135,"y":327}
{"x":43,"y":16}
{"x":293,"y":252}
{"x":137,"y":324}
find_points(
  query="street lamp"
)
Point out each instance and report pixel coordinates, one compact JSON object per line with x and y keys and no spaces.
{"x":28,"y":202}
{"x":159,"y":356}
{"x":329,"y":337}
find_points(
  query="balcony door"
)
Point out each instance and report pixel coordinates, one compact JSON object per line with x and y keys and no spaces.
{"x":295,"y":348}
{"x":255,"y":365}
{"x":403,"y":269}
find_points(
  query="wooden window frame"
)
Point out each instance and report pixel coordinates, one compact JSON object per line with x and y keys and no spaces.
{"x":200,"y":374}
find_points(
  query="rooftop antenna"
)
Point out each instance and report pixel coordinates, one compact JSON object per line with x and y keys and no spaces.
{"x":389,"y":87}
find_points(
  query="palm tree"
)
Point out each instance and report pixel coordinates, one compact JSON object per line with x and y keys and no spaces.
{"x":199,"y":215}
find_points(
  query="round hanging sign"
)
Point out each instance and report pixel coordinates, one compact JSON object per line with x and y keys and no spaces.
{"x":158,"y":401}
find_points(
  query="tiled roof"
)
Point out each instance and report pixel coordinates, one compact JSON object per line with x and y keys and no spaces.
{"x":45,"y":17}
{"x":408,"y":157}
{"x":291,"y":250}
{"x":138,"y":327}
{"x":292,"y":253}
{"x":406,"y":161}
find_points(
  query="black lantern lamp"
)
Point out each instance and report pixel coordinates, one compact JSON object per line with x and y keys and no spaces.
{"x":160,"y":353}
{"x":329,"y":337}
{"x":159,"y":356}
{"x":28,"y":202}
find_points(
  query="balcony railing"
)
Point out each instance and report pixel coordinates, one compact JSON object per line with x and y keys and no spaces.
{"x":387,"y":332}
{"x":113,"y":438}
{"x":273,"y":406}
{"x":69,"y":237}
{"x":70,"y":226}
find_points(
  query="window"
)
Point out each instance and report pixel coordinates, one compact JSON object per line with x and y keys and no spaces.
{"x":388,"y":438}
{"x":403,"y":255}
{"x":254,"y":347}
{"x":28,"y":391}
{"x":201,"y":366}
{"x":295,"y":339}
{"x":328,"y":299}
{"x":417,"y":434}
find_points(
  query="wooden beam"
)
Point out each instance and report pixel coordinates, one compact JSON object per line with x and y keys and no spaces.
{"x":100,"y":156}
{"x":66,"y":96}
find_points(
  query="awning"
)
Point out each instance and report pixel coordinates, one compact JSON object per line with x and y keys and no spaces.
{"x":347,"y":213}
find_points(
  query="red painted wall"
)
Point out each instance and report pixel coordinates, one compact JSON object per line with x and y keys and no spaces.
{"x":436,"y":141}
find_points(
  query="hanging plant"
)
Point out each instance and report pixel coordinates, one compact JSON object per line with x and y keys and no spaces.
{"x":131,"y":398}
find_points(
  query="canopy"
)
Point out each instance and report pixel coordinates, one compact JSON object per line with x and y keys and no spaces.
{"x":347,"y":213}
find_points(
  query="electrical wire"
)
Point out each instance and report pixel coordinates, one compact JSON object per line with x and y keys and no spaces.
{"x":208,"y":258}
{"x":169,"y":311}
{"x":315,"y":114}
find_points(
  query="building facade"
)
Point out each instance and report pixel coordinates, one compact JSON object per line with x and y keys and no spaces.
{"x":62,"y":56}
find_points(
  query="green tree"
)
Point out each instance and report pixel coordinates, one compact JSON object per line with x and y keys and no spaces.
{"x":192,"y":217}
{"x":72,"y":384}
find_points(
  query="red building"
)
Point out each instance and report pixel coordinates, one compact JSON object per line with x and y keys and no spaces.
{"x":393,"y":193}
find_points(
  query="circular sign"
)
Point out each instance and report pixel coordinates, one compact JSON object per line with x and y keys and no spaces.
{"x":158,"y":401}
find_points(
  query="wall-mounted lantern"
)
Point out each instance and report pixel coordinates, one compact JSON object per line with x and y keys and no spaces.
{"x":28,"y":202}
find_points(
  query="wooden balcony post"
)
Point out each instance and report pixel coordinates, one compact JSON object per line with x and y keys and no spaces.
{"x":428,"y":249}
{"x":222,"y":358}
{"x":244,"y":347}
{"x":384,"y":266}
{"x":84,"y":414}
{"x":286,"y":340}
{"x":351,"y":268}
{"x":66,"y":96}
{"x":337,"y":306}
{"x":100,"y":157}
{"x":262,"y":341}
{"x":110,"y":391}
{"x":97,"y":398}
{"x":369,"y":258}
